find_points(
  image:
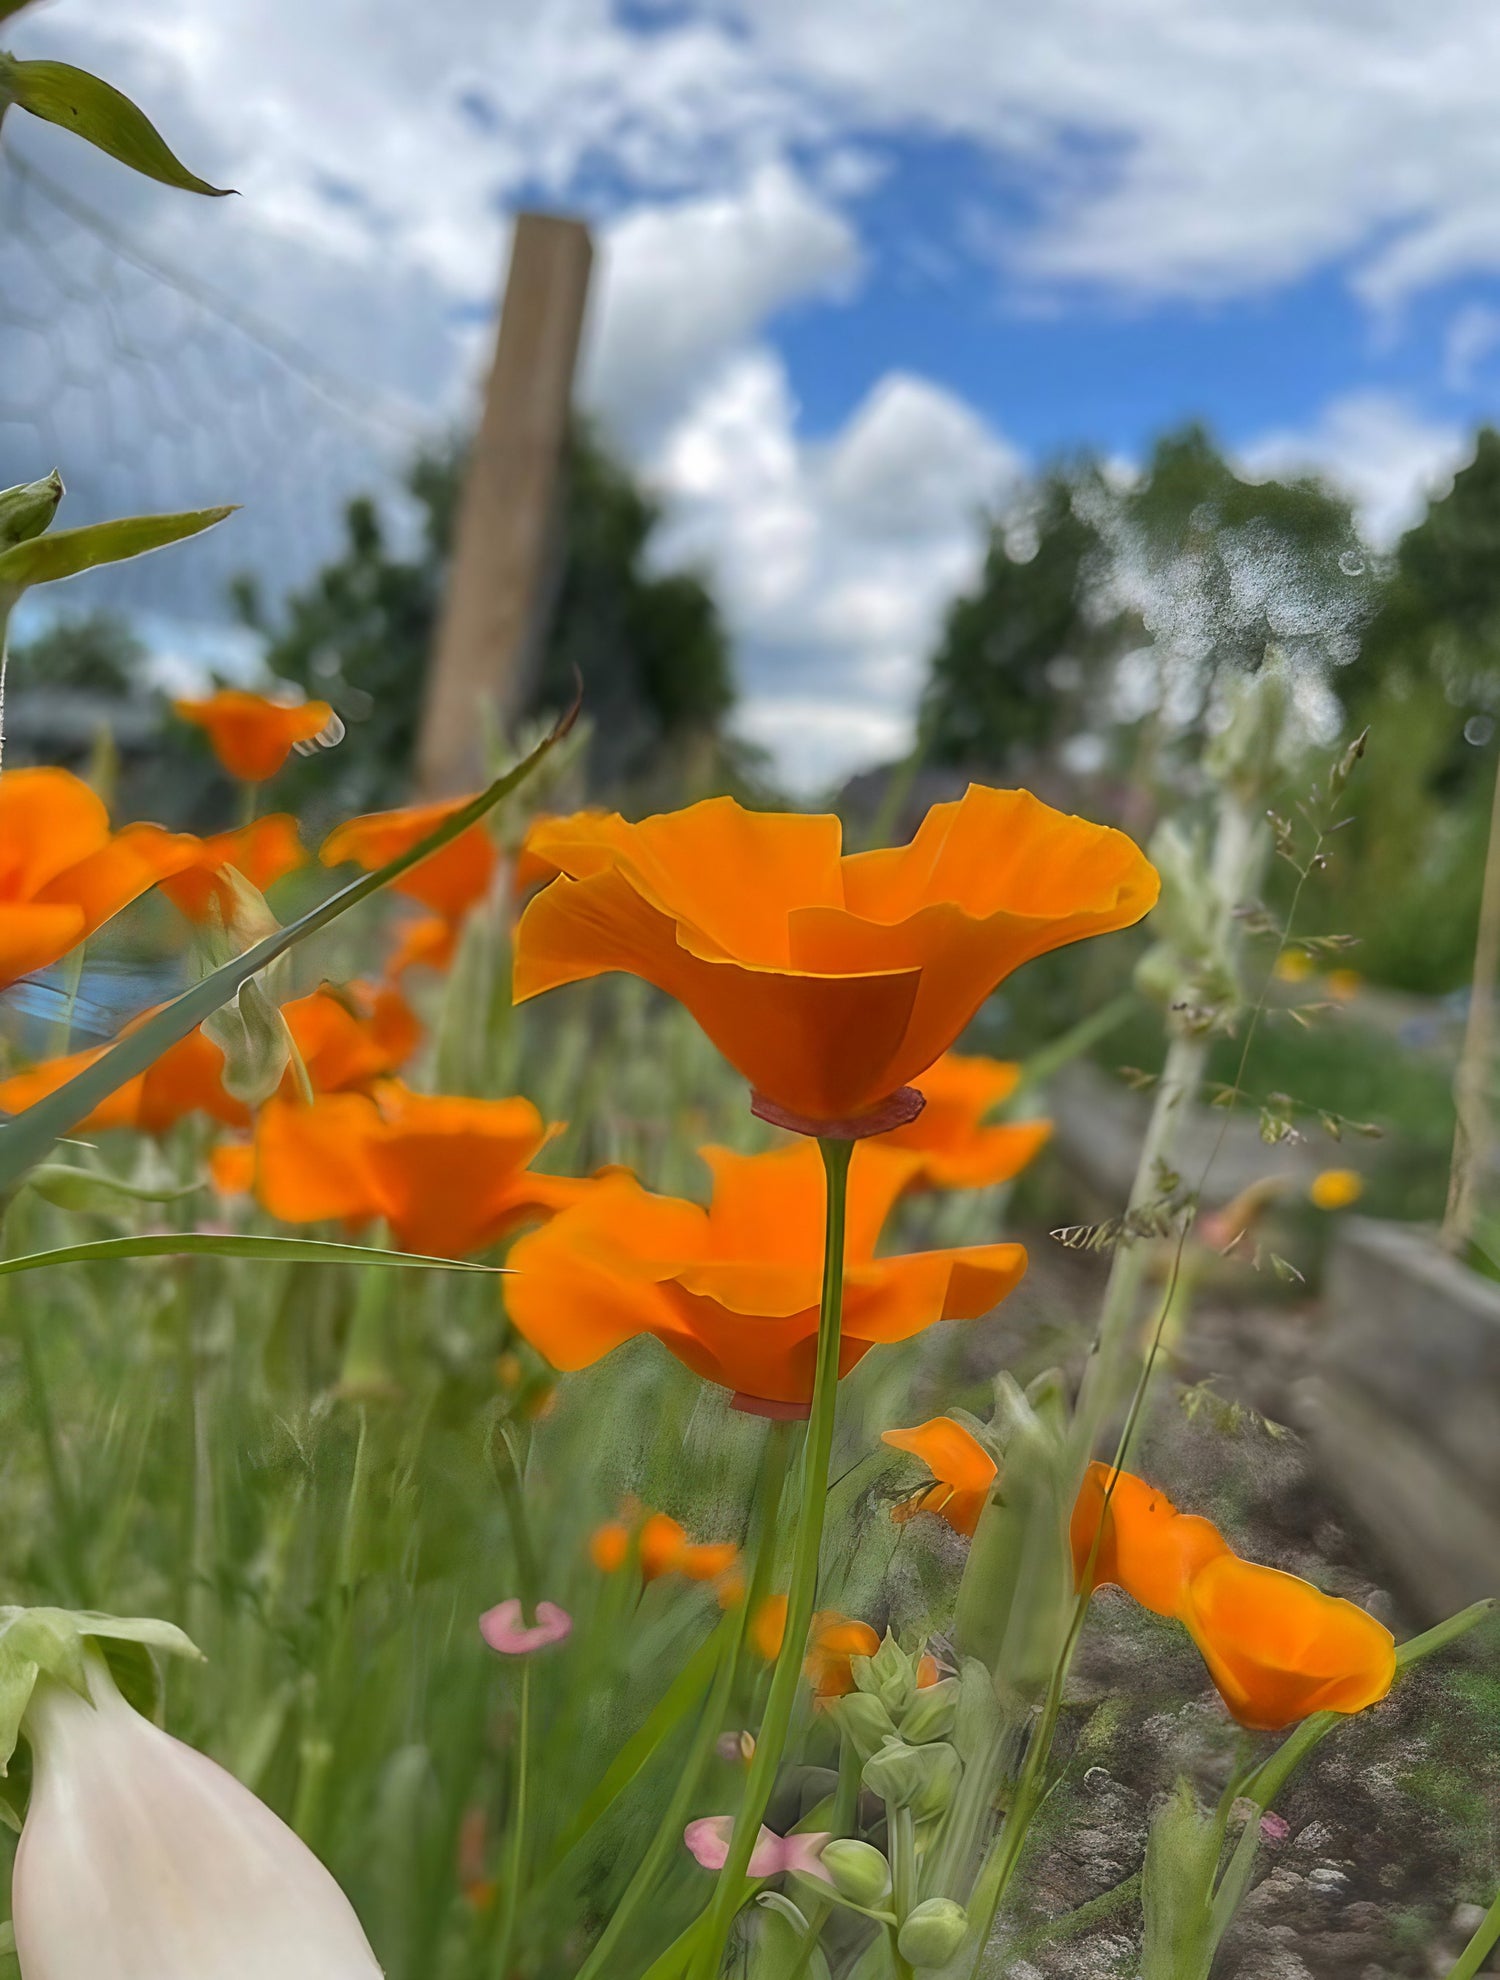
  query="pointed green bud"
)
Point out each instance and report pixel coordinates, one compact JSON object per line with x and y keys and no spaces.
{"x":26,"y":510}
{"x":863,"y":1721}
{"x":892,"y":1676}
{"x":859,"y":1871}
{"x":921,"y":1778}
{"x":932,"y":1714}
{"x":933,"y":1932}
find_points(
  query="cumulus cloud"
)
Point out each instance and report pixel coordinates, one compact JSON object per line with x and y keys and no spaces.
{"x":833,"y":560}
{"x":1385,"y":454}
{"x":682,"y":284}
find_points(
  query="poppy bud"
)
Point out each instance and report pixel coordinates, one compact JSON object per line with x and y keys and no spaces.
{"x":890,"y":1675}
{"x":933,"y":1714}
{"x":28,"y":509}
{"x":141,"y":1855}
{"x":863,"y":1721}
{"x":859,"y":1871}
{"x":933,"y":1932}
{"x":921,"y":1778}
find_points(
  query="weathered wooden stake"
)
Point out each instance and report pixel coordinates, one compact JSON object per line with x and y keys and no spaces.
{"x":497,"y":583}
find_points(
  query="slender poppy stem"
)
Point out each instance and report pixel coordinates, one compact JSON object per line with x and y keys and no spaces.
{"x":517,"y":1851}
{"x":730,"y":1889}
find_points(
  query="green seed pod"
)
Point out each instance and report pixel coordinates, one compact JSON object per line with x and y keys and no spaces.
{"x":933,"y":1932}
{"x":859,"y":1871}
{"x":932,"y":1713}
{"x":945,"y":1771}
{"x":863,"y":1721}
{"x":27,"y":509}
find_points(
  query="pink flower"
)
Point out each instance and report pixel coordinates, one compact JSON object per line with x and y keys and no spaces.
{"x":1274,"y":1828}
{"x":503,"y":1629}
{"x":708,"y":1840}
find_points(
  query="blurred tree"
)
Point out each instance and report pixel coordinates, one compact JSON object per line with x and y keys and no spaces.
{"x":650,"y":648}
{"x":91,"y":653}
{"x":1017,"y":652}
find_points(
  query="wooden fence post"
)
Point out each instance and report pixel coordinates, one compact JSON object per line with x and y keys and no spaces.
{"x":498,"y":577}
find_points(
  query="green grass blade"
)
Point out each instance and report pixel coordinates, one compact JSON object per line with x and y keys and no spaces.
{"x":26,"y":1139}
{"x":231,"y":1244}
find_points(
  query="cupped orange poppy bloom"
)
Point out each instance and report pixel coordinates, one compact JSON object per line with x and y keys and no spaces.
{"x":828,"y":980}
{"x":449,"y":1175}
{"x":450,"y":881}
{"x":962,"y":1472}
{"x":733,"y":1290}
{"x":264,"y":851}
{"x":1146,"y":1546}
{"x":186,"y":1079}
{"x":252,"y":735}
{"x":62,"y":871}
{"x":1278,"y":1649}
{"x":958,"y":1149}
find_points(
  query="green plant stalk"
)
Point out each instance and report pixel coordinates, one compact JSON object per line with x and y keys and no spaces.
{"x":1078,"y":1039}
{"x":1483,"y":1943}
{"x":1238,"y":850}
{"x":771,"y":1744}
{"x":902,"y":1832}
{"x":517,"y":1838}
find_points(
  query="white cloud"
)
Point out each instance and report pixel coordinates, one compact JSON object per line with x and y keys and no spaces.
{"x":1385,"y":454}
{"x":682,"y":284}
{"x":833,"y":561}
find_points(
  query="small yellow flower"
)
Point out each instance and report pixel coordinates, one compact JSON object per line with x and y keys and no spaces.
{"x":1336,"y":1189}
{"x":1343,"y":985}
{"x":1293,"y":966}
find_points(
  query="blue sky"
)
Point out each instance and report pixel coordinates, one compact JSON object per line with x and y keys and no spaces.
{"x":862,"y":265}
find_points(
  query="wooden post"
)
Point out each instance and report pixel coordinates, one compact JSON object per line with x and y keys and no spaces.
{"x":497,"y":581}
{"x":1474,"y":1136}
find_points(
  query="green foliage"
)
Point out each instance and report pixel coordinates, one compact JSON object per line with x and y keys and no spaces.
{"x":64,"y":553}
{"x":649,"y":649}
{"x":60,"y":94}
{"x":93,"y":652}
{"x":1017,"y":654}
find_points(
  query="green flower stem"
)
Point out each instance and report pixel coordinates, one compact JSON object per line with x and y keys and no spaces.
{"x":771,"y":1744}
{"x":517,"y":1852}
{"x":1483,"y":1943}
{"x":507,"y":1469}
{"x":901,"y":1829}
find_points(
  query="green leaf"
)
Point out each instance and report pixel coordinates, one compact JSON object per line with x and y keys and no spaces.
{"x":63,"y":553}
{"x":236,"y":1244}
{"x":1182,"y":1855}
{"x":60,"y":94}
{"x":94,"y":1190}
{"x":26,"y":1139}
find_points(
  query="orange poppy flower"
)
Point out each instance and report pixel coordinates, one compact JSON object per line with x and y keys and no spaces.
{"x":828,"y":980}
{"x":425,"y":941}
{"x":1146,"y":1547}
{"x":664,"y":1548}
{"x":1276,"y":1647}
{"x":252,"y":735}
{"x":958,"y":1151}
{"x":733,"y":1290}
{"x":264,"y":852}
{"x":351,"y":1036}
{"x":62,"y":871}
{"x":1279,"y":1649}
{"x":447,"y":1174}
{"x":832,"y":1641}
{"x":450,"y":882}
{"x":186,"y":1079}
{"x":962,"y":1472}
{"x":232,"y":1167}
